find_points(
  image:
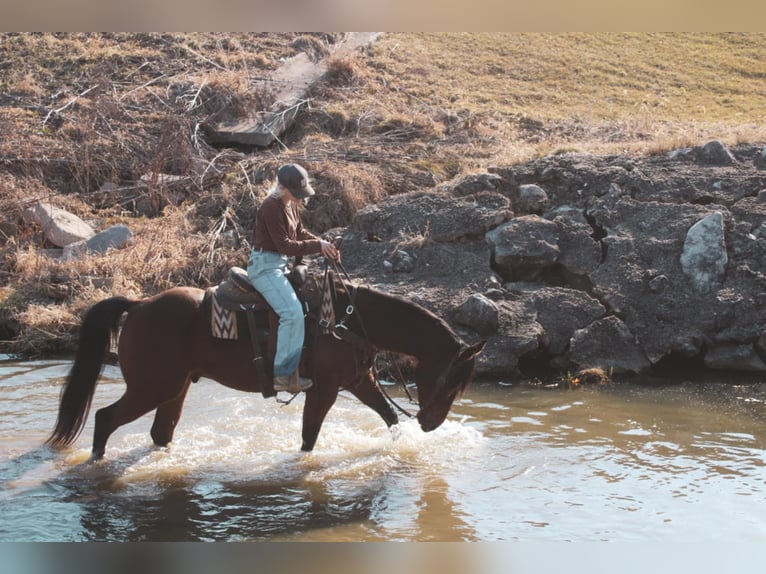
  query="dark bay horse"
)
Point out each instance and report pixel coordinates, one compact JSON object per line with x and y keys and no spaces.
{"x":165,"y":344}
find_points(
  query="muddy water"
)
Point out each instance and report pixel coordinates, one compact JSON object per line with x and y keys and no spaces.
{"x":629,"y":462}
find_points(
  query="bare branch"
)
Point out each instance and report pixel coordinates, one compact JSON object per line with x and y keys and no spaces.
{"x":65,"y":106}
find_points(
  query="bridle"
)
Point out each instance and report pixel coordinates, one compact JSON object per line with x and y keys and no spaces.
{"x":340,"y":331}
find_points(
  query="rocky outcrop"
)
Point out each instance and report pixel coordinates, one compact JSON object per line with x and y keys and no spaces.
{"x":573,"y":261}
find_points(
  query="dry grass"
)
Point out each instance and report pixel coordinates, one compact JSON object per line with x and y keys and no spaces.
{"x":85,"y":116}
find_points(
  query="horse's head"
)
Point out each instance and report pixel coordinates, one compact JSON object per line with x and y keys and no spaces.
{"x":437,"y":392}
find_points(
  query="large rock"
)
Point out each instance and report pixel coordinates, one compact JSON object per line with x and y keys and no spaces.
{"x":529,"y":199}
{"x":716,"y":153}
{"x":115,"y":237}
{"x":608,"y":344}
{"x":562,"y":311}
{"x":704,"y":258}
{"x":524,"y":244}
{"x":734,"y":358}
{"x":59,"y":226}
{"x":479,"y":313}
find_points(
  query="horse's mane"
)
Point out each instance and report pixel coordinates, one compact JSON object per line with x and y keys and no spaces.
{"x":399,"y":311}
{"x":413,"y":307}
{"x":394,"y":320}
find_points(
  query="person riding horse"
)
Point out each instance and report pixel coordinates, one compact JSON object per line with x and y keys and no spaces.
{"x":277,"y":235}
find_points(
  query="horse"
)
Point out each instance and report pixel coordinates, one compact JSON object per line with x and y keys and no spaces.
{"x":165,"y":344}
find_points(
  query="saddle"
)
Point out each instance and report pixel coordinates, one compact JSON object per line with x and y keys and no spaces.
{"x":236,"y":295}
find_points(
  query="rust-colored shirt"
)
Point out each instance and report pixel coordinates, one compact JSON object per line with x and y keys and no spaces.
{"x":278,"y":228}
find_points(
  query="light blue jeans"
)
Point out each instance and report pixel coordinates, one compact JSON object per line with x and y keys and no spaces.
{"x":266,"y":272}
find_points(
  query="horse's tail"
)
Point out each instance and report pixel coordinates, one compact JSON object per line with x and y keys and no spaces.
{"x":99,"y":327}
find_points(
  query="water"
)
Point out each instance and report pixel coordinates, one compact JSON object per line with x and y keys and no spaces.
{"x":511,"y":463}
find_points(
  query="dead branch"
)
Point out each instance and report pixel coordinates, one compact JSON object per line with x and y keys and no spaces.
{"x":65,"y":106}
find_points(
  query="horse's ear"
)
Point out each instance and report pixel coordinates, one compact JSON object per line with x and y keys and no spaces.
{"x":470,"y":352}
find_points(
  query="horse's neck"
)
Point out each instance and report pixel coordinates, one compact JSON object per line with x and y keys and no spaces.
{"x":401,"y":326}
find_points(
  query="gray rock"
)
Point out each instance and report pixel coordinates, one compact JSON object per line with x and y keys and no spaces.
{"x":529,"y":199}
{"x":734,"y":357}
{"x":59,"y":226}
{"x":527,"y":241}
{"x":433,"y":216}
{"x":475,"y":183}
{"x":561,"y":312}
{"x":580,"y":253}
{"x":115,"y":237}
{"x":402,"y":262}
{"x":716,"y":153}
{"x":704,"y":256}
{"x":478,"y":313}
{"x":608,"y":344}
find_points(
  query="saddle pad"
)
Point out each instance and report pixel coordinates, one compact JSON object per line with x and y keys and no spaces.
{"x":223,"y":322}
{"x":326,"y":310}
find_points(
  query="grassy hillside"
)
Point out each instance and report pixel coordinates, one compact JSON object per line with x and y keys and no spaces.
{"x":86,"y":116}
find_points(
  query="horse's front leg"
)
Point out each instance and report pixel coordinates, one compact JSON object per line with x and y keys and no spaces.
{"x":371,"y":395}
{"x":319,"y":399}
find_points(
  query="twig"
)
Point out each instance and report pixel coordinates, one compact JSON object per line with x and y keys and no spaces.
{"x":137,"y":69}
{"x":210,"y":165}
{"x":193,"y":103}
{"x":247,"y":177}
{"x":142,"y":86}
{"x":65,"y":106}
{"x":200,"y":56}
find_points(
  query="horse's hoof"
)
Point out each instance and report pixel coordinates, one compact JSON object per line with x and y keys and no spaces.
{"x":96,"y":455}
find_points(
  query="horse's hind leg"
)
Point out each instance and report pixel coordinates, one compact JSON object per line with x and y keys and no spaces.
{"x":166,"y":418}
{"x":128,"y":408}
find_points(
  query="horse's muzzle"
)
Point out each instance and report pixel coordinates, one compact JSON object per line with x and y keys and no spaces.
{"x":425,"y":424}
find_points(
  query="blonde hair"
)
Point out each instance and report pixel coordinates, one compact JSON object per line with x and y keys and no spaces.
{"x":276,"y":189}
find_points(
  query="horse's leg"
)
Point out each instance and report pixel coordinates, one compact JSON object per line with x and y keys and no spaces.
{"x":319,"y":399}
{"x":166,"y":418}
{"x":126,"y":409}
{"x":371,"y":395}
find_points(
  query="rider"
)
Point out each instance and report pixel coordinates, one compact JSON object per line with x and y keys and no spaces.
{"x":279,"y":234}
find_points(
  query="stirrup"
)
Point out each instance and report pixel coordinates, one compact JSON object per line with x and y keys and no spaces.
{"x":292,"y":383}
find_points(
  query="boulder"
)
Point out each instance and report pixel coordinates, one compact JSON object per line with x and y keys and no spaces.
{"x":715,"y":153}
{"x":734,"y":357}
{"x":524,"y":243}
{"x":59,"y":226}
{"x":562,"y":311}
{"x":433,"y":216}
{"x":529,"y":199}
{"x":115,"y":237}
{"x":704,"y":258}
{"x":478,"y":313}
{"x":609,"y":345}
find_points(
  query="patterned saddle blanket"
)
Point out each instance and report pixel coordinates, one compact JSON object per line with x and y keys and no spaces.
{"x":230,"y":299}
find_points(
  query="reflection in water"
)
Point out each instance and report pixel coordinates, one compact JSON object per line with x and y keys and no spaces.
{"x":522,"y":463}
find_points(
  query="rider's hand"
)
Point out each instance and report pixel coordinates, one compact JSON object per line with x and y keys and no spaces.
{"x":329,"y":251}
